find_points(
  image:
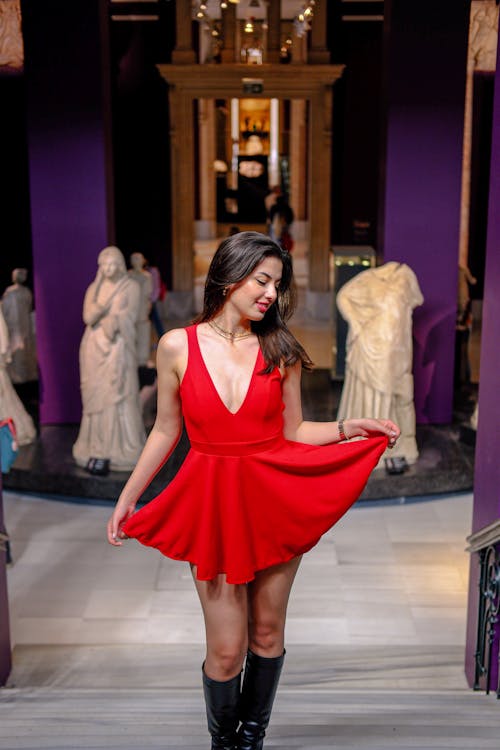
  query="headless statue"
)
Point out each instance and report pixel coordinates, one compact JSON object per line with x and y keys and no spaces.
{"x":17,"y":309}
{"x":143,"y":325}
{"x":111,"y":426}
{"x":377,"y":305}
{"x":10,"y":403}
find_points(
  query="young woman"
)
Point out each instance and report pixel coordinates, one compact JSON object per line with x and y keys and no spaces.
{"x":259,"y":486}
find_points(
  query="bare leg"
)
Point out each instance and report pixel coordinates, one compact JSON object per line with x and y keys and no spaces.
{"x":225,"y":610}
{"x":268,"y":598}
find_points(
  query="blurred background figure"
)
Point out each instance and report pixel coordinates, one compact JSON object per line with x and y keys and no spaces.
{"x":10,"y":404}
{"x":17,"y":309}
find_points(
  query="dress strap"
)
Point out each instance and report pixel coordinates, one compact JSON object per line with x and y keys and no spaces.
{"x":194,"y":353}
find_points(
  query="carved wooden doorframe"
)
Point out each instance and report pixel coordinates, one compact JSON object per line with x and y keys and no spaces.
{"x":313,"y":83}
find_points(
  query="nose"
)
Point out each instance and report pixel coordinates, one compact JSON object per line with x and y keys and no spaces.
{"x":271,"y":292}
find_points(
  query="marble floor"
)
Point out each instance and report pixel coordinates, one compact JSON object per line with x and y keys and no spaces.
{"x":108,"y":642}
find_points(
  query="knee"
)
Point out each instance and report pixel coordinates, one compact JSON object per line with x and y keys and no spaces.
{"x":267,"y":638}
{"x":225,"y":661}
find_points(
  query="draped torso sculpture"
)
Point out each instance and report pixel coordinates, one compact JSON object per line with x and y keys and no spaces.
{"x":377,"y":305}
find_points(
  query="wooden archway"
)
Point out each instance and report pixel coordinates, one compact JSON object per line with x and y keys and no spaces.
{"x":313,"y":83}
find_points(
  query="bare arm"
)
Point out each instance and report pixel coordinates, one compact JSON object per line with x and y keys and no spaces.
{"x":171,"y":354}
{"x":321,"y":433}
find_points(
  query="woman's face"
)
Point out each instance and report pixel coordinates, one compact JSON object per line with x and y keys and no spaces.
{"x":110,"y":267}
{"x":253,"y":296}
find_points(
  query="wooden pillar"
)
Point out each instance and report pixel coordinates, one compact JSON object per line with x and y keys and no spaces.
{"x":298,"y":158}
{"x":299,"y":49}
{"x":319,"y":52}
{"x":183,"y":54}
{"x":182,"y":181}
{"x":274,"y":31}
{"x":320,"y":144}
{"x":206,"y":128}
{"x":228,"y":53}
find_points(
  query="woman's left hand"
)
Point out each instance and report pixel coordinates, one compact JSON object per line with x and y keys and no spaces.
{"x":372,"y":427}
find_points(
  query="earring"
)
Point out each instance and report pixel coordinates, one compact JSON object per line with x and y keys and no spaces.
{"x":224,"y":291}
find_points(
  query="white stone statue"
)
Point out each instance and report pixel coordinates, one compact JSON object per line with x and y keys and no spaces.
{"x":145,"y":281}
{"x":10,"y":403}
{"x":377,"y":305}
{"x":111,"y":426}
{"x":17,"y":309}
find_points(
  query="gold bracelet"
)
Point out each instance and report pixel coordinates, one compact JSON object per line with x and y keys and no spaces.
{"x":342,"y":434}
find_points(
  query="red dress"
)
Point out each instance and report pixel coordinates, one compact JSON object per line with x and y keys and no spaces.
{"x":245,"y":498}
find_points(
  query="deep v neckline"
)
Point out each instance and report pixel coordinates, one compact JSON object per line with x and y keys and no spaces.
{"x":207,"y":371}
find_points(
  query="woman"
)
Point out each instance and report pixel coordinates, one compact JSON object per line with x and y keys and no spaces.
{"x":259,"y":486}
{"x":111,"y":426}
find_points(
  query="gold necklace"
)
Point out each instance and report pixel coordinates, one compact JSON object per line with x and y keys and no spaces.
{"x":228,"y":334}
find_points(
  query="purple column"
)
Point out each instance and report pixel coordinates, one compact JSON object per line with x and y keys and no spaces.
{"x":426,"y":53}
{"x":487,"y":464}
{"x":5,"y":653}
{"x":69,"y":170}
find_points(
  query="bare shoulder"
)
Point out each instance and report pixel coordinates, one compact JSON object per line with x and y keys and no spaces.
{"x":172,"y":353}
{"x":173,"y":344}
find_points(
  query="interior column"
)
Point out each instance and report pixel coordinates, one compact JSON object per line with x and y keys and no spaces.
{"x":487,"y":466}
{"x":183,"y":54}
{"x":320,"y":136}
{"x":319,"y":52}
{"x":206,"y":226}
{"x":228,"y":52}
{"x":182,"y":181}
{"x":70,"y":182}
{"x":421,"y":216}
{"x":298,"y":158}
{"x":274,"y":31}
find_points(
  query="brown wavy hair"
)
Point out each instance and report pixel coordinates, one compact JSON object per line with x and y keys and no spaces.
{"x":235,"y":259}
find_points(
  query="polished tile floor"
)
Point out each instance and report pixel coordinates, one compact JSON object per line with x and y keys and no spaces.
{"x":385,"y":575}
{"x":109,"y":642}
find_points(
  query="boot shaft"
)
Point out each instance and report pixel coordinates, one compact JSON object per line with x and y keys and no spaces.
{"x":260,"y":684}
{"x":222,"y":700}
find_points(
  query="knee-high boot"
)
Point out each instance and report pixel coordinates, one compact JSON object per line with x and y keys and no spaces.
{"x":222,"y":701}
{"x":257,"y":697}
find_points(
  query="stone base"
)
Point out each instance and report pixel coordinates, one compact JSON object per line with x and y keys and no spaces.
{"x":179,"y":305}
{"x":319,"y":305}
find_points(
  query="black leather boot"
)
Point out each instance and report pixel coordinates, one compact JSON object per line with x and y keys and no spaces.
{"x":257,"y":697}
{"x":222,"y":700}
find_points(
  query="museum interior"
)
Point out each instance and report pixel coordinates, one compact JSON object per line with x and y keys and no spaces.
{"x":364,"y":137}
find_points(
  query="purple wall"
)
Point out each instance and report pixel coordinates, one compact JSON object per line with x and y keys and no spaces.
{"x":68,"y":183}
{"x":426,"y":53}
{"x":487,"y":465}
{"x":5,"y":653}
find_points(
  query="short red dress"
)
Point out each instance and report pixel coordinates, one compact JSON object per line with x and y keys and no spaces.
{"x":245,"y":498}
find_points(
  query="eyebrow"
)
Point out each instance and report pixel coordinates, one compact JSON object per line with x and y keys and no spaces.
{"x":268,"y":275}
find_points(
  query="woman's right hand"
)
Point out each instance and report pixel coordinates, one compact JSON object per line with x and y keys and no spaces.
{"x":115,"y":524}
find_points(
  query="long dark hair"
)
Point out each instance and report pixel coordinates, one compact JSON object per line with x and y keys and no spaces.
{"x":235,"y":259}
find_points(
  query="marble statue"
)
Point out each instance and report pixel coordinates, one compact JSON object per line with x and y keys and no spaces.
{"x":377,"y":305}
{"x":143,"y":325}
{"x":17,"y":309}
{"x":10,"y":403}
{"x":111,"y":426}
